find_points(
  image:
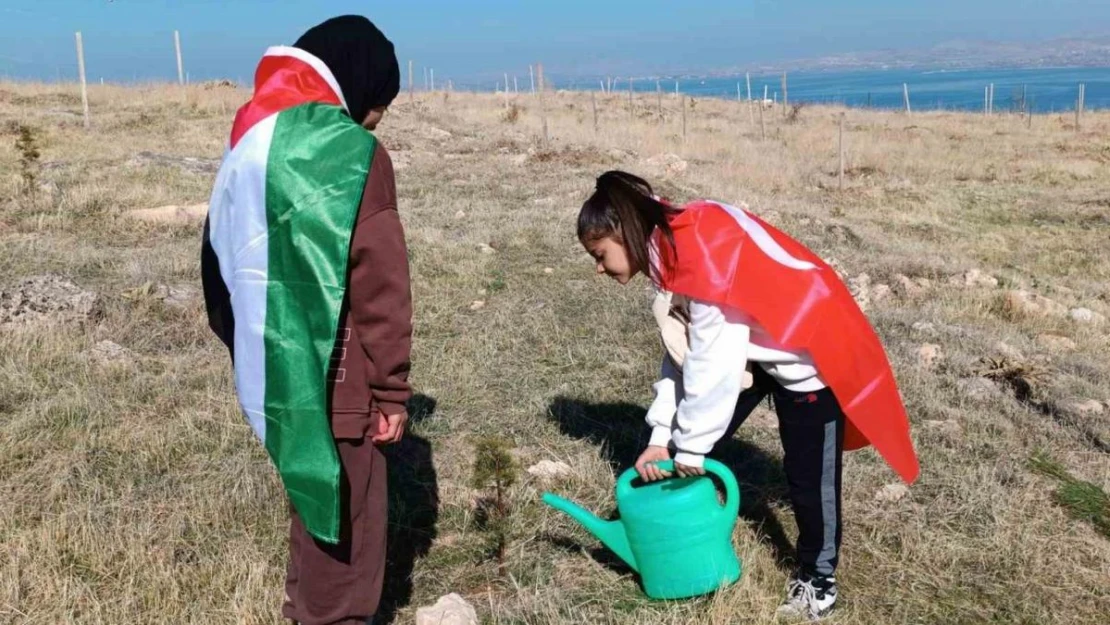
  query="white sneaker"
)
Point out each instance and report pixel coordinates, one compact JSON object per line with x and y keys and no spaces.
{"x":808,"y":597}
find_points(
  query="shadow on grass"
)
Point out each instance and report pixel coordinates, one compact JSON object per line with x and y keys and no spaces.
{"x":619,"y":429}
{"x":413,"y":510}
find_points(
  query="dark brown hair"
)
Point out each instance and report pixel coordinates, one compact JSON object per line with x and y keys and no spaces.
{"x":624,"y":206}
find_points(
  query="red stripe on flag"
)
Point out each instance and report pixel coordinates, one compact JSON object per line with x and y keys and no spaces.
{"x":280,"y":83}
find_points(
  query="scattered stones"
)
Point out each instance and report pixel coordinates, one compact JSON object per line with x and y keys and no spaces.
{"x":1009,"y":351}
{"x":1087,"y":408}
{"x":1087,"y":316}
{"x":667,"y":163}
{"x":477,"y":305}
{"x":47,"y":297}
{"x":974,"y":278}
{"x":1020,"y":303}
{"x":892,"y":493}
{"x":909,"y":288}
{"x":928,"y":355}
{"x":1056,"y":342}
{"x":107,"y":352}
{"x":549,"y":469}
{"x":449,"y":610}
{"x":171,"y":214}
{"x":880,"y":292}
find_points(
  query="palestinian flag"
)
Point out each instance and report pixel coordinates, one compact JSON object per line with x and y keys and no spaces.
{"x":280,"y":221}
{"x":728,"y":256}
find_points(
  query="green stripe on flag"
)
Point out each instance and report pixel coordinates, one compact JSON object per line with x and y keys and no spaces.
{"x":317,"y":168}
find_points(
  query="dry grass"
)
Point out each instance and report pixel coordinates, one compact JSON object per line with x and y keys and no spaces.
{"x":133,"y":492}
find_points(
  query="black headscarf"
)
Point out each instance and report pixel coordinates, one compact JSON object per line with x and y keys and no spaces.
{"x":361,"y":59}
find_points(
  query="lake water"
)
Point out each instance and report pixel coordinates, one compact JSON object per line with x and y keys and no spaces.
{"x":1048,"y":90}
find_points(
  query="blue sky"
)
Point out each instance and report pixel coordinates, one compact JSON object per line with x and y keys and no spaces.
{"x":133,"y":39}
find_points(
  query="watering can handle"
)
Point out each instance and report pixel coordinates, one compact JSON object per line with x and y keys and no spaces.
{"x":732,"y":489}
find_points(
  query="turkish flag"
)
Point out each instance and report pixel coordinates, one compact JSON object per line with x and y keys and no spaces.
{"x":727,"y":256}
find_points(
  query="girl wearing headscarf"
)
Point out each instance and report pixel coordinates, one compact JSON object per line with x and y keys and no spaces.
{"x":306,"y":281}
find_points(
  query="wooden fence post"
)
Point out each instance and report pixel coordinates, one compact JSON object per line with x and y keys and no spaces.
{"x":840,"y":175}
{"x":84,"y":87}
{"x":593,"y":104}
{"x":410,"y":80}
{"x":785,"y":104}
{"x":762,"y":123}
{"x":906,"y":96}
{"x":532,"y":77}
{"x":683,"y":101}
{"x":543,"y":108}
{"x":631,"y":111}
{"x":180,"y":65}
{"x":659,"y":100}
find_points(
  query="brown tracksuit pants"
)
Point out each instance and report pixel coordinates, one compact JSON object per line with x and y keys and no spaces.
{"x":342,"y":584}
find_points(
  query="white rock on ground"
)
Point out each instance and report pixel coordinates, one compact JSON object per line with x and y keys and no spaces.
{"x":1089,"y":407}
{"x":929,"y":354}
{"x":449,"y":610}
{"x":667,"y":163}
{"x":1009,"y":351}
{"x":47,"y":297}
{"x":1024,"y":303}
{"x":975,"y":278}
{"x":880,"y":292}
{"x":1086,"y":315}
{"x":486,"y":249}
{"x":910,"y":288}
{"x":892,"y":493}
{"x":1056,"y":342}
{"x":549,"y":469}
{"x":477,"y":305}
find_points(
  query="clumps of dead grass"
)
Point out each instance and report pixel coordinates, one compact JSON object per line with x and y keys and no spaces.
{"x":512,"y":113}
{"x":1025,"y":379}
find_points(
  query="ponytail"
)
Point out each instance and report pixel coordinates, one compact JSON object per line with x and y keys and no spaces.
{"x":624,"y":206}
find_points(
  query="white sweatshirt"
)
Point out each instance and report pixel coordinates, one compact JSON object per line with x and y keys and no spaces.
{"x":694,"y":406}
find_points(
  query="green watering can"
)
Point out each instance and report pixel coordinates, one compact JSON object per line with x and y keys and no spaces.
{"x":672,"y":532}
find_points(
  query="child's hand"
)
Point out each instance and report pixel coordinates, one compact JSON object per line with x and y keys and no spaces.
{"x":390,"y":428}
{"x":685,"y":471}
{"x":645,"y":464}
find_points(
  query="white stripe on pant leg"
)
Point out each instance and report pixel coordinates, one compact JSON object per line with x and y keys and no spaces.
{"x":828,"y":501}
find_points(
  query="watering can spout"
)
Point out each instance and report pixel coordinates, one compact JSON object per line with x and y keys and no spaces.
{"x":611,"y":533}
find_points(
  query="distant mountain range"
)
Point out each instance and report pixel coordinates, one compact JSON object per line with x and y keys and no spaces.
{"x":1070,"y":52}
